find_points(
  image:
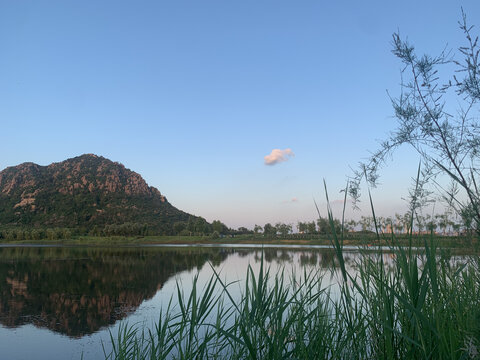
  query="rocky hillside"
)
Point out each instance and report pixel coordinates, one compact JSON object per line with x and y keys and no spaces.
{"x":85,"y":191}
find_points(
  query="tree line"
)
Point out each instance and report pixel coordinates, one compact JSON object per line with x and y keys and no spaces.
{"x":448,"y":223}
{"x":35,"y":234}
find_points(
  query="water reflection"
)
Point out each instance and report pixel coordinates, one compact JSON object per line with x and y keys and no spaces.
{"x":78,"y":291}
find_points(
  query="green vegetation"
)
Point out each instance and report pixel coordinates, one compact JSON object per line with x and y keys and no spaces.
{"x":437,"y":116}
{"x":58,"y":236}
{"x":388,"y":311}
{"x":462,"y":243}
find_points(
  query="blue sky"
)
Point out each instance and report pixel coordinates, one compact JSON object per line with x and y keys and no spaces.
{"x":194,"y":94}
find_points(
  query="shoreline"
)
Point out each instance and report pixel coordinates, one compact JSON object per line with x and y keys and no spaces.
{"x":453,"y":243}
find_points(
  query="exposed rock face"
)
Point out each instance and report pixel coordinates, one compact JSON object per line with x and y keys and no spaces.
{"x":86,"y":190}
{"x":91,"y":172}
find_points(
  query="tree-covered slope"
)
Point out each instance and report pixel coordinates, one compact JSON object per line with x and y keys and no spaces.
{"x":82,"y":192}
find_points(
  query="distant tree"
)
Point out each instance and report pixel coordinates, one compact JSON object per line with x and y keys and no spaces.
{"x":406,"y":221}
{"x":323,"y":225}
{"x":337,"y":225}
{"x":66,"y":234}
{"x":220,"y":227}
{"x":243,"y":230}
{"x":467,"y":214}
{"x":269,"y":230}
{"x":311,"y":227}
{"x":217,"y":226}
{"x":431,"y":225}
{"x":302,"y":227}
{"x":35,"y":235}
{"x":380,"y":224}
{"x":456,"y":228}
{"x":420,"y":222}
{"x":178,"y":227}
{"x":19,"y":235}
{"x":201,"y":226}
{"x":95,"y":231}
{"x":51,"y":234}
{"x":388,"y":224}
{"x":257,"y":229}
{"x":442,"y":221}
{"x":350,"y":225}
{"x":145,"y":230}
{"x":366,"y":223}
{"x":191,"y":225}
{"x":185,"y":232}
{"x":398,"y":226}
{"x":284,"y":229}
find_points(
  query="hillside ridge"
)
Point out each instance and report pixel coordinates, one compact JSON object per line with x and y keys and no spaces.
{"x":85,"y":191}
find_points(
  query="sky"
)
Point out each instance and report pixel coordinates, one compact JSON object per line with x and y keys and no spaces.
{"x":234,"y":110}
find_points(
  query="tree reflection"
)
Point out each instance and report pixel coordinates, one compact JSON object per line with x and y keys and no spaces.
{"x":78,"y":291}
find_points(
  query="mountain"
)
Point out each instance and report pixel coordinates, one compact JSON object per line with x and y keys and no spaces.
{"x":82,"y":192}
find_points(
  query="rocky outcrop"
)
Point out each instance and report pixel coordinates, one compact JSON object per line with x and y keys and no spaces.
{"x":87,"y":190}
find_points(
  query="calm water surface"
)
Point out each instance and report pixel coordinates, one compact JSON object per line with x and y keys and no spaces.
{"x":60,"y":302}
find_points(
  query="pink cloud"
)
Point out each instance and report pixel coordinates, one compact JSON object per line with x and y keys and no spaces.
{"x":292,"y":200}
{"x":277,"y":156}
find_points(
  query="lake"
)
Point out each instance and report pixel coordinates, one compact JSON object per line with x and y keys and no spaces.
{"x":62,"y":302}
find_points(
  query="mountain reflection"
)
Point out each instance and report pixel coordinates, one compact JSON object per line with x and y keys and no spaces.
{"x":77,"y":291}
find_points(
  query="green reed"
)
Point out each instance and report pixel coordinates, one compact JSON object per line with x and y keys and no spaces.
{"x":418,"y":305}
